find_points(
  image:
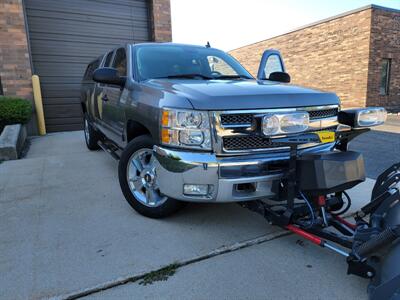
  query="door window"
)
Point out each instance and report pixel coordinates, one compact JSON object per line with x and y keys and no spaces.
{"x":107,"y":62}
{"x":120,"y":62}
{"x":273,"y":64}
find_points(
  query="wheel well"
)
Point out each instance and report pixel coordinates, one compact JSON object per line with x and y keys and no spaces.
{"x":135,"y":129}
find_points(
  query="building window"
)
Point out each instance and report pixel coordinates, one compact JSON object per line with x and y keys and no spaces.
{"x":385,"y":77}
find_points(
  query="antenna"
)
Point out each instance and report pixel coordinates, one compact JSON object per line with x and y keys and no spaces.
{"x":208,"y":45}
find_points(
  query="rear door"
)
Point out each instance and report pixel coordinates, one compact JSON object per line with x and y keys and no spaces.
{"x":98,"y":95}
{"x":271,"y":61}
{"x":89,"y":86}
{"x":113,"y":115}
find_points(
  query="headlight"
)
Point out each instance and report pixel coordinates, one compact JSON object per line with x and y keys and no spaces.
{"x":371,"y":117}
{"x":185,"y":128}
{"x":363,"y":117}
{"x":285,"y":123}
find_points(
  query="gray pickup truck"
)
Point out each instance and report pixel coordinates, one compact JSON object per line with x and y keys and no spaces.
{"x":181,"y":120}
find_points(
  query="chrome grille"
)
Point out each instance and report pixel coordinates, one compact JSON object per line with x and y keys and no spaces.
{"x":247,"y":142}
{"x":234,"y":130}
{"x":247,"y":119}
{"x":236,"y":119}
{"x":234,"y":143}
{"x":323,"y":113}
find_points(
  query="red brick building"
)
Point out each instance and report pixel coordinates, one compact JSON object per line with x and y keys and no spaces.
{"x":355,"y":54}
{"x":57,"y":39}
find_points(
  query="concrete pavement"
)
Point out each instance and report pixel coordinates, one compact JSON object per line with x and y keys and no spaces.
{"x":65,"y":229}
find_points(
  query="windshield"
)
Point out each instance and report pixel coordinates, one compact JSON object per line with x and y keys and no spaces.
{"x":175,"y":61}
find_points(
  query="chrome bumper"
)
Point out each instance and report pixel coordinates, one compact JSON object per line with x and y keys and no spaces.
{"x":224,"y":175}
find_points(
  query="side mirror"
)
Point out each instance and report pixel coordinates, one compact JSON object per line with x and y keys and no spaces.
{"x":279,"y":76}
{"x":108,"y":76}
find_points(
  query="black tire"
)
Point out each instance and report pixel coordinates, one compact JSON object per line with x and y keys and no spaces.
{"x":91,"y":135}
{"x":168,"y":207}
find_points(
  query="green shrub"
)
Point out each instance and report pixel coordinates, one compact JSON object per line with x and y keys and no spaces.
{"x":14,"y":110}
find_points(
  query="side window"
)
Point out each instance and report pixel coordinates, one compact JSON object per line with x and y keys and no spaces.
{"x":273,"y":64}
{"x":120,"y":62}
{"x":107,"y":62}
{"x":220,"y":66}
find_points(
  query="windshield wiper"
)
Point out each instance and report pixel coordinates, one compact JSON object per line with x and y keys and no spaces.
{"x":232,"y":77}
{"x":188,"y":76}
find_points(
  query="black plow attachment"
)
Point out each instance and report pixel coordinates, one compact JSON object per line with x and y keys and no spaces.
{"x":311,"y":201}
{"x":383,"y":248}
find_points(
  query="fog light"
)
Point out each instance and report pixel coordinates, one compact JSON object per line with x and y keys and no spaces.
{"x":195,"y":189}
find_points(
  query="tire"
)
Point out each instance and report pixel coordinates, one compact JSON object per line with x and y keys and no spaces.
{"x":91,"y":135}
{"x":141,"y":191}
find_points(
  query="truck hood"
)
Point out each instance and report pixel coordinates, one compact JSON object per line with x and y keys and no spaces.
{"x":242,"y":94}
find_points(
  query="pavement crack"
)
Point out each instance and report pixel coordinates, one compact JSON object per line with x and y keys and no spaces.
{"x":165,"y":271}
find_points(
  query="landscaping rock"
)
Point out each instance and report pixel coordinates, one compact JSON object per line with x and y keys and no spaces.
{"x":12,"y":140}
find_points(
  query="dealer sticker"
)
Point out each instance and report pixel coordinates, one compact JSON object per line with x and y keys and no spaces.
{"x":326,"y":136}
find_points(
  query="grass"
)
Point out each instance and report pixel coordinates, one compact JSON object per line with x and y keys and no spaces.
{"x":159,"y":275}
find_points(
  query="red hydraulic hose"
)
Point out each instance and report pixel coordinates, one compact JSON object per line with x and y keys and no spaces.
{"x":348,"y":224}
{"x":312,"y":238}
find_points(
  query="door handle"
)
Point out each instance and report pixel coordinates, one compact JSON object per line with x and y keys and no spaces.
{"x":104,"y":98}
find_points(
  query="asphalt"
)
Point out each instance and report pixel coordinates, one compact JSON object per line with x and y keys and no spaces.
{"x":380,"y":146}
{"x":66,"y":231}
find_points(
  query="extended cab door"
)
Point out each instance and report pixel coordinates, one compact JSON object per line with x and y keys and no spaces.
{"x":271,"y":62}
{"x":113,"y":116}
{"x":98,"y":95}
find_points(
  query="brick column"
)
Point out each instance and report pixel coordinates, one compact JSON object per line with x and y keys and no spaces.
{"x":15,"y":67}
{"x":161,"y":19}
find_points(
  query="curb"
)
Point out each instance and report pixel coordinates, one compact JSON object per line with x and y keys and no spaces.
{"x":12,"y":140}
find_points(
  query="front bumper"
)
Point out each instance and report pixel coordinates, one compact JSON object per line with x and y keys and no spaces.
{"x":227,"y":177}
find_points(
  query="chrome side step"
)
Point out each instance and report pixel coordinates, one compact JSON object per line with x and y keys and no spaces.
{"x":110,"y":149}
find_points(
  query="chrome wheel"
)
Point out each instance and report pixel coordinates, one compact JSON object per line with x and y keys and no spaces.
{"x":86,"y":130}
{"x":142,"y":178}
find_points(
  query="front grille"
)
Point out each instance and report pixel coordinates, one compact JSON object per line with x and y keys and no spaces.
{"x":232,"y":143}
{"x":248,"y":142}
{"x":236,"y":119}
{"x":233,"y":138}
{"x":323,"y":113}
{"x":246,"y":119}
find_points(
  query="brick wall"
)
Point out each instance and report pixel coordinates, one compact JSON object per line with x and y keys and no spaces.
{"x":385,"y":43}
{"x":15,"y":68}
{"x":161,"y":19}
{"x":331,"y":56}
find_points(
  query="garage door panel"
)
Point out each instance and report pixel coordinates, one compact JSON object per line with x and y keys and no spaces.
{"x":50,"y":69}
{"x":90,"y":38}
{"x":66,"y":126}
{"x":61,"y":121}
{"x":65,"y":35}
{"x":85,"y":28}
{"x":85,"y":7}
{"x":61,"y":90}
{"x":60,"y":111}
{"x":62,"y":100}
{"x":71,"y":49}
{"x":59,"y":79}
{"x":96,"y":15}
{"x":82,"y":59}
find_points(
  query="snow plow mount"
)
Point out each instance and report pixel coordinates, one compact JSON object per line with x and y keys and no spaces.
{"x":311,"y":201}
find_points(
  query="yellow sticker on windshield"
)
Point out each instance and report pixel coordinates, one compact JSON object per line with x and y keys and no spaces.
{"x":326,"y":136}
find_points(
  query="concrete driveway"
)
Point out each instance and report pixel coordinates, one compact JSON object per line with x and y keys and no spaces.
{"x":67,"y":232}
